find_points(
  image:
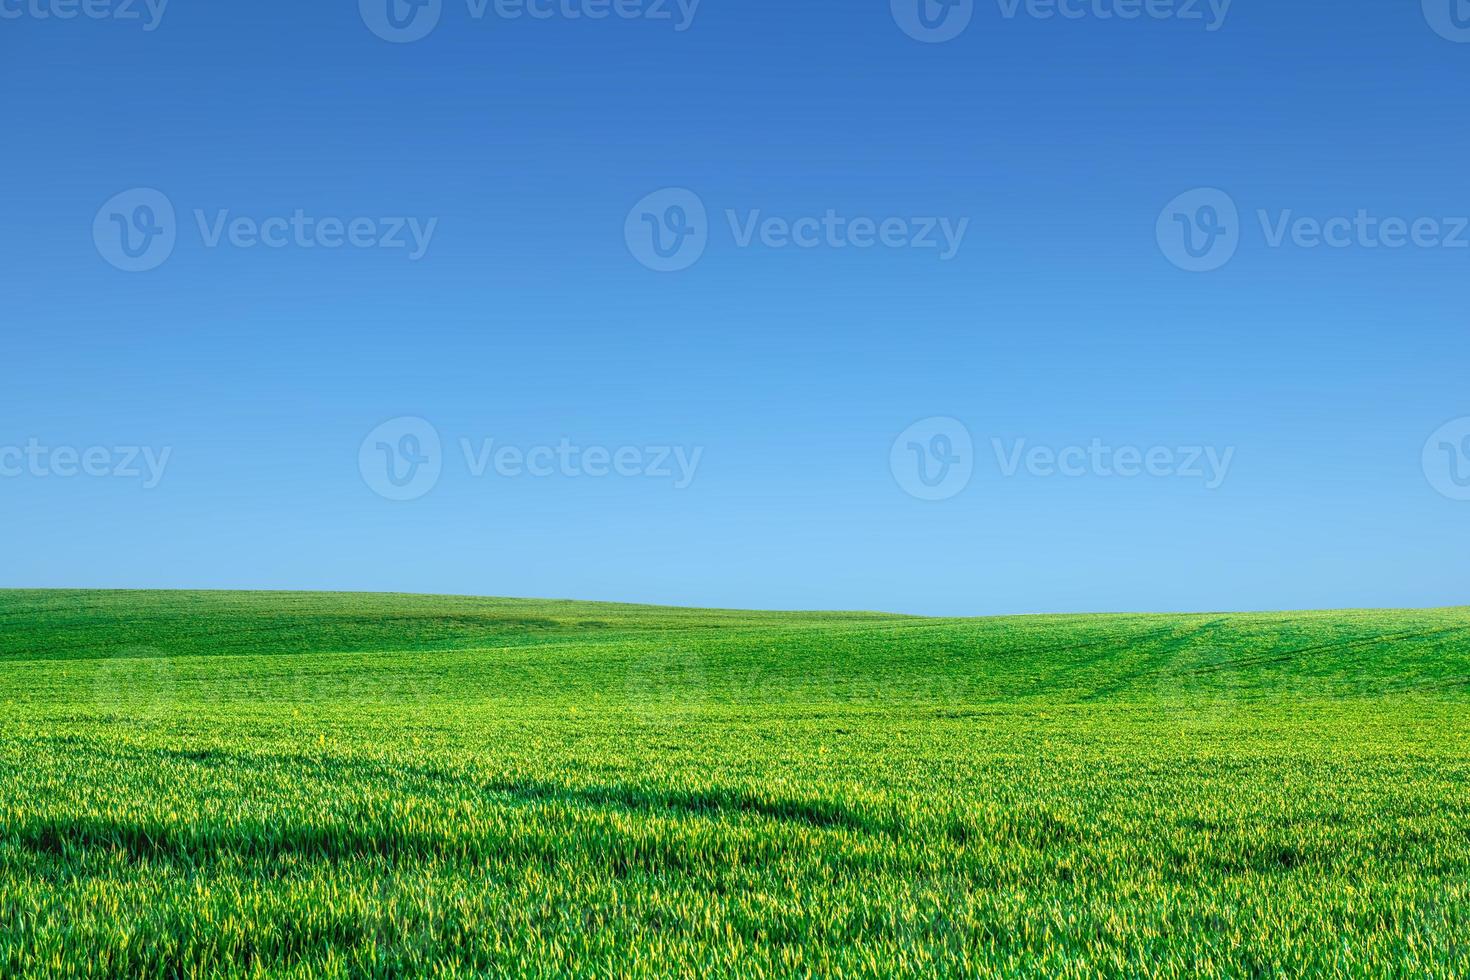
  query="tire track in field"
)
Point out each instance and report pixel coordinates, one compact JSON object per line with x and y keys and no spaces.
{"x":1185,"y":641}
{"x":1289,"y":655}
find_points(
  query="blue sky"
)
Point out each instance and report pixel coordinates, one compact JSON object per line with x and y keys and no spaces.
{"x":291,"y":318}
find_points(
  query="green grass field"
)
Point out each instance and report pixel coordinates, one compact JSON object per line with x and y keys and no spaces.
{"x":205,"y":784}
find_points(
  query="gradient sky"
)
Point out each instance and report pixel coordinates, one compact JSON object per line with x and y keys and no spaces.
{"x":529,"y":319}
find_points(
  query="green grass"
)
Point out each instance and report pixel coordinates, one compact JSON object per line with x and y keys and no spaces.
{"x":205,"y":784}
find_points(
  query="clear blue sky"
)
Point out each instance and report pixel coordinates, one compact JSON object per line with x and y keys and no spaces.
{"x":530,"y":320}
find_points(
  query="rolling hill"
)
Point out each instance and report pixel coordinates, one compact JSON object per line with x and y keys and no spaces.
{"x":208,"y":783}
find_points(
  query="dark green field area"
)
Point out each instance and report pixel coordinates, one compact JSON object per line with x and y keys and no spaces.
{"x":205,"y":784}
